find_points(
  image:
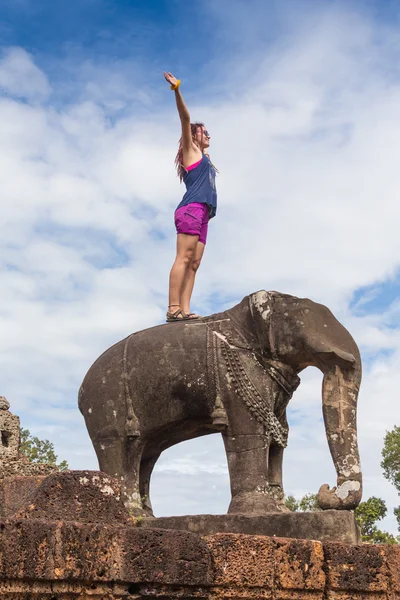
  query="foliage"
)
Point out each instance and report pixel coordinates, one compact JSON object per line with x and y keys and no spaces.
{"x":308,"y":502}
{"x":367,"y":514}
{"x":391,"y":457}
{"x":397,"y":515}
{"x":39,"y":451}
{"x":292,"y":504}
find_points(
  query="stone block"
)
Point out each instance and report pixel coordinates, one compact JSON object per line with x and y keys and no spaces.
{"x":83,"y":496}
{"x":16,"y":492}
{"x":40,"y":551}
{"x":87,"y":552}
{"x":169,"y":557}
{"x":242,"y":560}
{"x":392,"y":554}
{"x":40,"y":559}
{"x":356,"y":568}
{"x":263,"y":567}
{"x":328,"y":525}
{"x":299,"y":565}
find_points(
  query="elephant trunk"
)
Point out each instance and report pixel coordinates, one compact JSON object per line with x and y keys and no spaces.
{"x":339,"y":395}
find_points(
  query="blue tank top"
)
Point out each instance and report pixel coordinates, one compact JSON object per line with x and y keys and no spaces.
{"x":200,"y":185}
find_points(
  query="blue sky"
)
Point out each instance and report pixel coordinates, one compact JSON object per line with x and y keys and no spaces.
{"x":187,"y":36}
{"x":62,"y":35}
{"x":302,"y":101}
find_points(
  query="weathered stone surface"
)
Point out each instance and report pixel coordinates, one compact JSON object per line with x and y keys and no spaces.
{"x":242,"y":560}
{"x":357,"y":568}
{"x":9,"y":432}
{"x":233,"y":372}
{"x":330,"y":525}
{"x":299,"y":566}
{"x":266,"y":567}
{"x":62,"y":561}
{"x":392,"y":554}
{"x":165,"y":557}
{"x":16,"y":492}
{"x":23,"y":467}
{"x":90,"y":558}
{"x":4,"y":403}
{"x":84,"y":496}
{"x":12,"y":462}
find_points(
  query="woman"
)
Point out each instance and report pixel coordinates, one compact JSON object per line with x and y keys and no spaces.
{"x":199,"y":204}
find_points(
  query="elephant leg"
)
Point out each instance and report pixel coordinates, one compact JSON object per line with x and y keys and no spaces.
{"x":110,"y":454}
{"x":132,"y":459}
{"x":248,"y":457}
{"x":120,"y":458}
{"x":275,"y":484}
{"x":146,"y":469}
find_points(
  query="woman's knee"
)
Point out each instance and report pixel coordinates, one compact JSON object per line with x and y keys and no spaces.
{"x":185,"y":258}
{"x":194,"y":264}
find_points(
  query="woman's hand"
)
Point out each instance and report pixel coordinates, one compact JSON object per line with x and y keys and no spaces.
{"x":170,"y":78}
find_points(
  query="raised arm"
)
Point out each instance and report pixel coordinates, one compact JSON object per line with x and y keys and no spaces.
{"x":187,"y":142}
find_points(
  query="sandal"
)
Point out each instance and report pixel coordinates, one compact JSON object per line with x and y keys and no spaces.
{"x":178,"y":315}
{"x":194,"y":316}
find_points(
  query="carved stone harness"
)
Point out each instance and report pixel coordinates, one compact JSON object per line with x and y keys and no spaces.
{"x":221,"y":345}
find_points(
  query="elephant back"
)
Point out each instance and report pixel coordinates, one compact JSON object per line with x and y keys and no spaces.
{"x":143,"y":377}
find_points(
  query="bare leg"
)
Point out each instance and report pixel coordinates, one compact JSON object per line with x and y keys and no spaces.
{"x":188,"y":282}
{"x":185,"y":251}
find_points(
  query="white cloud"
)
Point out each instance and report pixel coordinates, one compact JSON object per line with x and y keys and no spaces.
{"x":19,"y":76}
{"x":306,"y":145}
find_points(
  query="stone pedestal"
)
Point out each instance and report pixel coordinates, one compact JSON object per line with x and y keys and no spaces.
{"x":42,"y":559}
{"x":73,"y":538}
{"x":328,"y":525}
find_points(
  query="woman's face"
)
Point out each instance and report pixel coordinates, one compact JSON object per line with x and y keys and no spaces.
{"x":202,"y":137}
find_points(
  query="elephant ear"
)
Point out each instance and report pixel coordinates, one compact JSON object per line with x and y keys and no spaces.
{"x":261,"y":305}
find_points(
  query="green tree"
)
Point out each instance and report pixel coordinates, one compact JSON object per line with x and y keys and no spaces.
{"x":391,"y":462}
{"x":308,"y":502}
{"x":391,"y":457}
{"x":367,"y":514}
{"x":39,"y":451}
{"x":397,"y":515}
{"x":292,"y":504}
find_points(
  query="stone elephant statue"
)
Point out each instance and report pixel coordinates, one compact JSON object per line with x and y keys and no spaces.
{"x":232,"y":372}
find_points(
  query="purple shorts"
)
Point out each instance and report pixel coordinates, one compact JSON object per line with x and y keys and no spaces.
{"x":192,"y":219}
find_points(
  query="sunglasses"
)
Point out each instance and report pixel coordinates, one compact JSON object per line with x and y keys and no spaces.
{"x":206,"y":134}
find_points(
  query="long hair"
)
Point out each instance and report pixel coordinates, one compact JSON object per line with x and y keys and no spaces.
{"x":179,"y":155}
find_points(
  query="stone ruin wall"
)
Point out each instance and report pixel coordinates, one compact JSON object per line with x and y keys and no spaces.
{"x":65,"y":560}
{"x":12,"y":462}
{"x":73,"y":538}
